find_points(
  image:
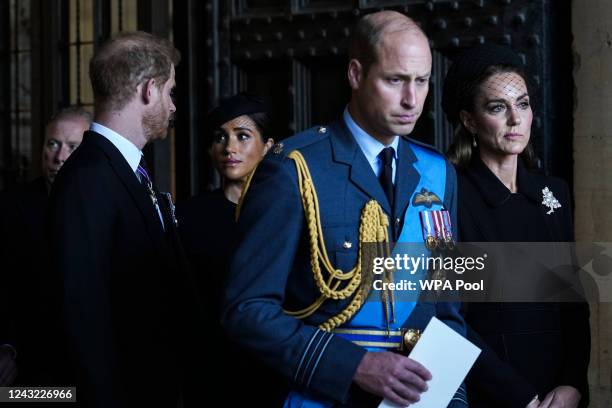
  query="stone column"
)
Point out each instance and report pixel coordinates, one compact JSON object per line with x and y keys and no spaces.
{"x":592,"y":29}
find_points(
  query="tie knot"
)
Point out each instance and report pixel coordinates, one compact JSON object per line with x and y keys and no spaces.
{"x":386,"y":155}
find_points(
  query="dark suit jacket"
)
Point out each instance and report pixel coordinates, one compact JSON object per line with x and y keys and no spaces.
{"x":271,"y":266}
{"x":528,"y":348}
{"x":128,"y":300}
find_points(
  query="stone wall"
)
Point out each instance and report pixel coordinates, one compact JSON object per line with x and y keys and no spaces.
{"x":592,"y":29}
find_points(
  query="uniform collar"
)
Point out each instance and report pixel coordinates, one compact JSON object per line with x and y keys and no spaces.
{"x":494,"y":192}
{"x":370,"y":147}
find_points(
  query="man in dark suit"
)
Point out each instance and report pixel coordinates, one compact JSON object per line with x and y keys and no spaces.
{"x":24,"y":254}
{"x":340,"y":351}
{"x":127,"y":298}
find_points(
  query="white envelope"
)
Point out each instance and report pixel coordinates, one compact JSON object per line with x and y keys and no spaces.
{"x":448,"y":356}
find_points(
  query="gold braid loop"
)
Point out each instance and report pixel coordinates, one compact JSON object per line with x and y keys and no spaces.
{"x":373,"y":228}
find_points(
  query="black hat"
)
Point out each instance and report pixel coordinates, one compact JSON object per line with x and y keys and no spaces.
{"x":232,"y":107}
{"x":469,"y":67}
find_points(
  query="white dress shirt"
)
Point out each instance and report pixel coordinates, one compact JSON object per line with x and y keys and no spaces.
{"x":371,"y":147}
{"x":128,"y":150}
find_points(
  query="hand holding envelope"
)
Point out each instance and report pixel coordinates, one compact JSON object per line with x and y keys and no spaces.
{"x":448,"y":356}
{"x":393,"y":376}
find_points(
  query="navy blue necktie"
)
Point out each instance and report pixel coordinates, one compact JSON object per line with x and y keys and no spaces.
{"x":386,"y":175}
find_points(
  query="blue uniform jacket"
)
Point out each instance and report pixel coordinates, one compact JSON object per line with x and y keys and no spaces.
{"x":270,"y":269}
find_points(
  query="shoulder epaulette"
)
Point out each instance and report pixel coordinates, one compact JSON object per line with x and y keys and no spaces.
{"x":422,"y":144}
{"x":300,"y":140}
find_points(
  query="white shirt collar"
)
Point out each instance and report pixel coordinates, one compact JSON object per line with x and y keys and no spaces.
{"x":128,"y":150}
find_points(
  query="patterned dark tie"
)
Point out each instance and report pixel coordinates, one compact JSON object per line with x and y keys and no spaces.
{"x":386,"y":175}
{"x":145,"y":180}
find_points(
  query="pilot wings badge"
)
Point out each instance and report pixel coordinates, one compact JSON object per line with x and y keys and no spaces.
{"x":426,"y":198}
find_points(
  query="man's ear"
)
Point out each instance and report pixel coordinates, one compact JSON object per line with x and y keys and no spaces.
{"x":148,"y":90}
{"x":355,"y":74}
{"x":468,"y":122}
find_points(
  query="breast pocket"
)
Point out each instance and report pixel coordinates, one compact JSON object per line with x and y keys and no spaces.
{"x":342,"y":246}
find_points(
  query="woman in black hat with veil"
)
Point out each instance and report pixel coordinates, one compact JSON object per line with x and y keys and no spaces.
{"x":534,"y":354}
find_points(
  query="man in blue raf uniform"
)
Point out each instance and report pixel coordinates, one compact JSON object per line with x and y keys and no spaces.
{"x":296,"y":291}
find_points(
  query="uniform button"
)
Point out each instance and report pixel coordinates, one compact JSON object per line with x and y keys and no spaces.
{"x":347,"y":245}
{"x":322,"y":129}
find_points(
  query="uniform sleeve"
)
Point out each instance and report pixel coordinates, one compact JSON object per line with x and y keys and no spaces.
{"x":460,"y":399}
{"x":270,"y":231}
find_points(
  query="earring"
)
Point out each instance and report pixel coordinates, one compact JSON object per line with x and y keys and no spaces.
{"x":474,"y":144}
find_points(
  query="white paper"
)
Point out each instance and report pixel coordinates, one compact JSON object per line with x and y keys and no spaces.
{"x":448,"y":356}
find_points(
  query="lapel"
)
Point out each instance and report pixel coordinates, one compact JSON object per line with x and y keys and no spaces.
{"x":132,"y":185}
{"x":406,"y":177}
{"x":346,"y":150}
{"x":529,"y":186}
{"x":495,"y":195}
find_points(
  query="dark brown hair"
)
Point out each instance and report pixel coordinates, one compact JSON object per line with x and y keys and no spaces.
{"x":124,"y":62}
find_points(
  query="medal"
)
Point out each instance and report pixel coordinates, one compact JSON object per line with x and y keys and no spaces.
{"x":450,"y":243}
{"x":171,"y":207}
{"x":444,"y":229}
{"x":152,"y":194}
{"x":431,"y":242}
{"x":448,"y":228}
{"x":429,"y":236}
{"x":437,"y":229}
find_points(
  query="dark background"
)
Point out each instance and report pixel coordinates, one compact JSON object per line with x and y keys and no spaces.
{"x":293,"y":52}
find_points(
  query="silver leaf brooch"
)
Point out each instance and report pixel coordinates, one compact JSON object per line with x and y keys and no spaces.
{"x":549,"y":200}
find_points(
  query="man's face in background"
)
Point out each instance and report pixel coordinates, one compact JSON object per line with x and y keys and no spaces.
{"x":62,"y":137}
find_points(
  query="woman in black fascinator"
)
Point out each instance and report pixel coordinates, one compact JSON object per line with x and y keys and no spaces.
{"x":236,"y":134}
{"x":534,"y":354}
